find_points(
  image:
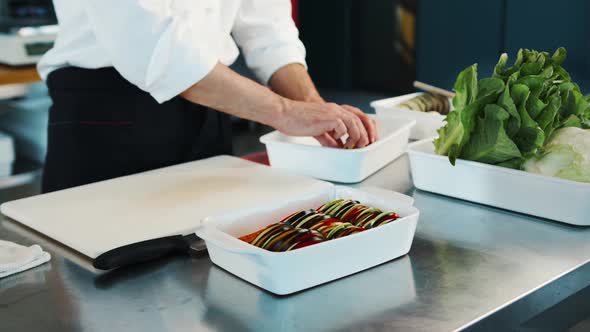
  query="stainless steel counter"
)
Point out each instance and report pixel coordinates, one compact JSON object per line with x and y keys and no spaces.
{"x":467,"y":261}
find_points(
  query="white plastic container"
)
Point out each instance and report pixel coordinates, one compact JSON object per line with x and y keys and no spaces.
{"x":6,"y":154}
{"x":288,"y":272}
{"x":304,"y":155}
{"x":542,"y":196}
{"x":426,"y":123}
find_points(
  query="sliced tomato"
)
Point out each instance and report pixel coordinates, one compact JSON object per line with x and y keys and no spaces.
{"x":249,"y":237}
{"x":353,"y":213}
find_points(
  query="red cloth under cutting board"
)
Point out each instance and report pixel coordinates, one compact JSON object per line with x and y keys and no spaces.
{"x":259,"y":157}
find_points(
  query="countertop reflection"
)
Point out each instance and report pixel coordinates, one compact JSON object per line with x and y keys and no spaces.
{"x":467,"y":261}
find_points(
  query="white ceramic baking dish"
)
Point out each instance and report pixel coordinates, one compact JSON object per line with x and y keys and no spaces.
{"x":427,"y":124}
{"x":288,"y":272}
{"x":542,"y":196}
{"x":304,"y":155}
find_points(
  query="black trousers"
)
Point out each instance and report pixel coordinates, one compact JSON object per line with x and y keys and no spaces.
{"x":101,"y":127}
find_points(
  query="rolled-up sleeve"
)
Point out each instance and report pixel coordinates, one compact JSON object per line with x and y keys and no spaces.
{"x":158,"y":45}
{"x":268,"y":36}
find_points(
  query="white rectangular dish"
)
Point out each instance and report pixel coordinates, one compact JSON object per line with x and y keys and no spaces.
{"x":426,"y":123}
{"x":542,"y":196}
{"x":288,"y":272}
{"x":304,"y":155}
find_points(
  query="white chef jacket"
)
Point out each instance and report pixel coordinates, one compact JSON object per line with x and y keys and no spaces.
{"x":165,"y":46}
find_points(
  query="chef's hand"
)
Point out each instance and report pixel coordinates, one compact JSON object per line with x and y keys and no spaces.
{"x":295,"y":109}
{"x":328,"y":123}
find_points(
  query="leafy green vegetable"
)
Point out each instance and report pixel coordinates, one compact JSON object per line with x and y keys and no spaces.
{"x":471,"y":98}
{"x":451,"y":135}
{"x":489,"y":87}
{"x":488,"y":92}
{"x":505,"y":101}
{"x":491,"y":144}
{"x":567,"y":156}
{"x":529,"y":140}
{"x":559,"y":56}
{"x":509,"y":118}
{"x":466,"y":87}
{"x":546,"y":118}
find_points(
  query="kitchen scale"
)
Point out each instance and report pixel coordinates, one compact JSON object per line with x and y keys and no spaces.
{"x":28,"y":29}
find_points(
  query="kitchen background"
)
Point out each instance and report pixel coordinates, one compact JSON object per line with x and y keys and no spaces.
{"x":358,"y":51}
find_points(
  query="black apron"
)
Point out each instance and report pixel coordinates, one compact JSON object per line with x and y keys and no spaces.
{"x":102,"y":127}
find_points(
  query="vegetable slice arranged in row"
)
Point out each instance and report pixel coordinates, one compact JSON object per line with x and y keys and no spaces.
{"x":428,"y":102}
{"x":284,"y":237}
{"x":357,"y":214}
{"x":335,"y":219}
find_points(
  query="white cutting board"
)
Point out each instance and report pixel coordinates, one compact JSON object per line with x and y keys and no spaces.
{"x":95,"y":218}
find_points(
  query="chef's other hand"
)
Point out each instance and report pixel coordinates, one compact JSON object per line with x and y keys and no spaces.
{"x":328,"y":123}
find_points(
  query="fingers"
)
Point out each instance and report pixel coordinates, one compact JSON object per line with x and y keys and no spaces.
{"x":339,"y":129}
{"x":329,"y":123}
{"x":329,"y":141}
{"x":368,"y":122}
{"x":332,"y":133}
{"x":364,"y":136}
{"x":361,"y":139}
{"x":354,"y":133}
{"x":357,"y":134}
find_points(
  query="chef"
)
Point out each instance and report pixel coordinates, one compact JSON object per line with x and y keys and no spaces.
{"x":142,"y":84}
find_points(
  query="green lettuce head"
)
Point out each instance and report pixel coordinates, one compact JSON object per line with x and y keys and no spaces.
{"x":566,"y":156}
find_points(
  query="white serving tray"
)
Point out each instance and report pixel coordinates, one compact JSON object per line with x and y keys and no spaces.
{"x":542,"y":196}
{"x":304,"y":155}
{"x":288,"y":272}
{"x":427,"y":124}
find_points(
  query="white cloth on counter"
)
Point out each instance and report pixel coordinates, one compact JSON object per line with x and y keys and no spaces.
{"x":15,"y":258}
{"x":166,"y":46}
